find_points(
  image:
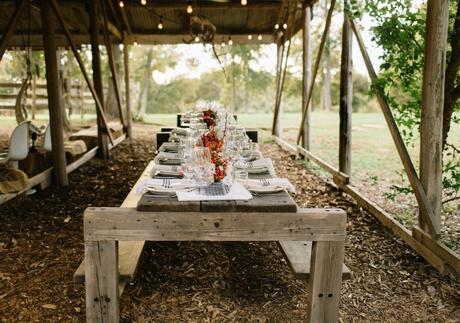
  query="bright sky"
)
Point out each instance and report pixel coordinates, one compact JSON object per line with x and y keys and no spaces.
{"x":206,"y":61}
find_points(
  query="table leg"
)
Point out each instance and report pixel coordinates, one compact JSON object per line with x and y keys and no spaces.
{"x":325,"y":280}
{"x":101,"y":281}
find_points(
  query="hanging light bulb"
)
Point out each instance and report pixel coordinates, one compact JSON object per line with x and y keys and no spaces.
{"x":285,"y":26}
{"x":121,"y":4}
{"x":143,"y":2}
{"x":135,"y":43}
{"x":259,"y":37}
{"x":249,"y":36}
{"x":223,"y":44}
{"x":230,"y":41}
{"x":197,"y":39}
{"x":277,"y":26}
{"x":189,"y":7}
{"x":160,"y":24}
{"x":244,"y":2}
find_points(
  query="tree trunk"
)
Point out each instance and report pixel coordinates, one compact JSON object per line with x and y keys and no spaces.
{"x":111,"y":101}
{"x":144,"y":94}
{"x":64,"y":93}
{"x":451,"y":90}
{"x":326,"y":101}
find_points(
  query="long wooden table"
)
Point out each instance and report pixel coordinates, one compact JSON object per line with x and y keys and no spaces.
{"x":108,"y":231}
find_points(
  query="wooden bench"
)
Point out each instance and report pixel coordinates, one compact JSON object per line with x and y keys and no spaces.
{"x":298,"y":256}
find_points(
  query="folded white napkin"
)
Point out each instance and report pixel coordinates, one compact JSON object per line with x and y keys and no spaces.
{"x":167,"y":158}
{"x":166,"y":170}
{"x":237,"y":193}
{"x":268,"y":185}
{"x":162,"y":185}
{"x":258,"y":166}
{"x":169,"y":147}
{"x":251,"y":155}
{"x":179,"y":131}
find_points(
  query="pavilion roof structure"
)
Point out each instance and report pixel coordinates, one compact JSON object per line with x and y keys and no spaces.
{"x":140,"y":22}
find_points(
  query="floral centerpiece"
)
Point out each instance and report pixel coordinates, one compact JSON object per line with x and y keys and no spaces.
{"x":209,"y":117}
{"x":215,"y":145}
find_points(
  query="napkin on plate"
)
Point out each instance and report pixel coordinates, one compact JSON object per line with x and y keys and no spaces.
{"x":179,"y":131}
{"x":167,"y":170}
{"x":169,"y":147}
{"x":259,"y":166}
{"x":251,"y":155}
{"x":269,"y":185}
{"x":167,"y":158}
{"x":165,"y":186}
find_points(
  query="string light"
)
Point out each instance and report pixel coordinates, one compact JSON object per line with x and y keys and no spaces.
{"x":223,"y":43}
{"x":189,"y":7}
{"x":121,"y":4}
{"x":143,"y":2}
{"x":160,"y":24}
{"x":135,"y":43}
{"x":277,"y":26}
{"x":244,"y":2}
{"x":249,"y":37}
{"x":285,"y":25}
{"x":230,"y":41}
{"x":197,"y":39}
{"x":259,"y":37}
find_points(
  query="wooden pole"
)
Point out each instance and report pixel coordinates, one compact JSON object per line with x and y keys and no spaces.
{"x":315,"y":70}
{"x":279,"y":61}
{"x":437,"y":22}
{"x":99,"y":105}
{"x":306,"y":76}
{"x":416,"y":185}
{"x":129,"y":131}
{"x":346,"y":98}
{"x":12,"y":24}
{"x":112,"y":66}
{"x":34,"y":95}
{"x":102,"y":142}
{"x":54,"y":98}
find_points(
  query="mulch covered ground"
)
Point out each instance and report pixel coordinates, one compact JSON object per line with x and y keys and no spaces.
{"x":41,"y":245}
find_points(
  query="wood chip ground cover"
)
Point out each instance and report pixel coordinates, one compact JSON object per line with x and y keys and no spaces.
{"x":41,"y":245}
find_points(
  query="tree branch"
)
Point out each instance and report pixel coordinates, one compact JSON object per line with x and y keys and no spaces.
{"x":450,"y":199}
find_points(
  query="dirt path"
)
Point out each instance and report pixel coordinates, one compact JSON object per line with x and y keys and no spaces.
{"x":41,"y":246}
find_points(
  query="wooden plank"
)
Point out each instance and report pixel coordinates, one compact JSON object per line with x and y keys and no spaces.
{"x":82,"y":160}
{"x":99,"y":105}
{"x":343,"y":177}
{"x":451,"y":258}
{"x":275,"y":202}
{"x":416,"y":185}
{"x":101,"y":281}
{"x":393,"y":225}
{"x":11,"y":27}
{"x":285,"y":145}
{"x":152,"y":203}
{"x":54,"y":96}
{"x":316,"y":68}
{"x":324,"y":285}
{"x":298,"y":256}
{"x":346,"y":98}
{"x":279,"y":64}
{"x":431,"y":124}
{"x":306,"y":75}
{"x":129,"y":252}
{"x":129,"y":224}
{"x":129,"y":120}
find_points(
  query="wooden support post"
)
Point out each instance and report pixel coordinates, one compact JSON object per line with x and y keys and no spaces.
{"x":54,"y":98}
{"x":101,"y":281}
{"x":112,"y":66}
{"x":277,"y":128}
{"x":34,"y":96}
{"x":431,"y":126}
{"x":68,"y":35}
{"x":316,"y":67}
{"x":346,"y":98}
{"x":324,"y":285}
{"x":11,"y":27}
{"x":102,"y":141}
{"x":129,"y":130}
{"x":306,"y":76}
{"x":414,"y":180}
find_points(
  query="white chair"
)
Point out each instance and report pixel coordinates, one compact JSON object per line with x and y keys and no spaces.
{"x":18,"y":147}
{"x":47,"y":140}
